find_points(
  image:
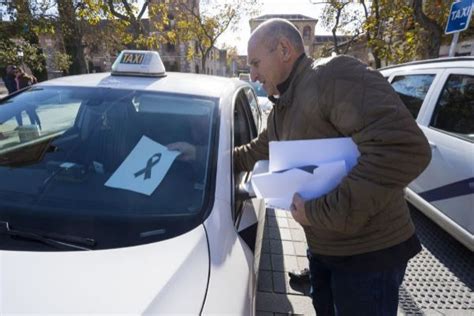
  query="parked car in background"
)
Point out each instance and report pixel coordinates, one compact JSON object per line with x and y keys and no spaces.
{"x":98,"y":216}
{"x":440,"y":95}
{"x":244,"y":76}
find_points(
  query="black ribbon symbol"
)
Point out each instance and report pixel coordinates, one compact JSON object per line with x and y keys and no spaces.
{"x":149,"y":165}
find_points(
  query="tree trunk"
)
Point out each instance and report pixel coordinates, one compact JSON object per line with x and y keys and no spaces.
{"x":369,"y":35}
{"x":432,"y":28}
{"x":72,"y":37}
{"x":334,"y":29}
{"x":25,"y":18}
{"x":203,"y":64}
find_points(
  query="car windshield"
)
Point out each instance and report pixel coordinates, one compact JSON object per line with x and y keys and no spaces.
{"x":93,"y":162}
{"x":258,"y":87}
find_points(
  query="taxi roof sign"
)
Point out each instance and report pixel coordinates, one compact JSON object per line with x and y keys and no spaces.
{"x":145,"y":63}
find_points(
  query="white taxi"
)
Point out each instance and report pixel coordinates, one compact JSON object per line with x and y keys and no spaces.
{"x":440,"y":95}
{"x":99,"y":216}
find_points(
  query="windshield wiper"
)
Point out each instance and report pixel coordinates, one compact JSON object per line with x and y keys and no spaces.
{"x":51,"y":239}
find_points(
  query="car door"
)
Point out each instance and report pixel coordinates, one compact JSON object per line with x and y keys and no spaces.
{"x":246,"y":211}
{"x":448,"y":123}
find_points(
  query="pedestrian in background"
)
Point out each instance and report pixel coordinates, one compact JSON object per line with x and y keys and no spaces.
{"x":17,"y":79}
{"x":360,"y":235}
{"x":23,"y":80}
{"x":9,"y":78}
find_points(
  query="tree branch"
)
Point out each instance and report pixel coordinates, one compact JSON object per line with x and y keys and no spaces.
{"x":128,"y":9}
{"x":142,"y":11}
{"x":110,"y":3}
{"x":423,"y":19}
{"x":349,"y":43}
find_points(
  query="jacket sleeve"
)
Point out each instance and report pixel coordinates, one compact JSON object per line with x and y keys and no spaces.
{"x":246,"y":156}
{"x":393,"y":150}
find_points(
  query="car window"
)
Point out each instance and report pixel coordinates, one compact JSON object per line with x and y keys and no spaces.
{"x":60,"y":148}
{"x":244,"y":132}
{"x":256,"y":113}
{"x":259,"y":90}
{"x":412,"y":89}
{"x":37,"y":112}
{"x":454,"y":111}
{"x":244,"y":125}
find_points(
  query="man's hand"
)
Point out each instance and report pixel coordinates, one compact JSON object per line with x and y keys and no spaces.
{"x":298,"y":211}
{"x":188,"y":151}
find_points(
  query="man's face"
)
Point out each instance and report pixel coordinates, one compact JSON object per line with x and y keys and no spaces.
{"x":11,"y":70}
{"x":265,"y":66}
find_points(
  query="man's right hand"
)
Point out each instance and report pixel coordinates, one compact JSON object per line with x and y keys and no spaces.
{"x":188,"y":151}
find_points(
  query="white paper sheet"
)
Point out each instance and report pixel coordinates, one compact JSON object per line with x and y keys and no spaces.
{"x":278,"y":188}
{"x":296,"y":153}
{"x":144,"y":168}
{"x":277,"y":180}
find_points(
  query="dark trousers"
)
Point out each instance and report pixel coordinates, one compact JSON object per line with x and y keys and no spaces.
{"x":342,"y":293}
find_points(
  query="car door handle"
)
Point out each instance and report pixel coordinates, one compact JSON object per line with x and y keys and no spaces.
{"x":432,"y":145}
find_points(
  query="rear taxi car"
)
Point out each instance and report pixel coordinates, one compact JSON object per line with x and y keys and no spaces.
{"x":98,"y":216}
{"x":440,"y":95}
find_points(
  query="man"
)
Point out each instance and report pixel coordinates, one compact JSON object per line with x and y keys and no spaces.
{"x":9,"y":78}
{"x":360,"y":235}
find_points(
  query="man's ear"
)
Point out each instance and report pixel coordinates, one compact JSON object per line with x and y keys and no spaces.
{"x":286,"y":49}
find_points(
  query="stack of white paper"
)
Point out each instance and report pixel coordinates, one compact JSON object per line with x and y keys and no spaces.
{"x":311,"y":168}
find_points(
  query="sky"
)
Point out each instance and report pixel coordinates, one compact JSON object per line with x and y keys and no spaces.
{"x":304,"y":7}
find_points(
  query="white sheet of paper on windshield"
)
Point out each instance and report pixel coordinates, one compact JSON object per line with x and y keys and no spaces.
{"x":144,"y":168}
{"x":295,"y":153}
{"x":277,"y":188}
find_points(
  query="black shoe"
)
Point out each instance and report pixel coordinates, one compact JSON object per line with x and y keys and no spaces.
{"x":299,"y":276}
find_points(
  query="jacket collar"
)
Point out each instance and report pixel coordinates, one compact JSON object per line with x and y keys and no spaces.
{"x":286,"y":88}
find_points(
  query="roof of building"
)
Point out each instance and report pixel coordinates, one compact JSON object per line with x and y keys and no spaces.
{"x":289,"y":17}
{"x":328,"y":38}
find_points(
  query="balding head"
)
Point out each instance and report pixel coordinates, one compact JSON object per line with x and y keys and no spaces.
{"x":273,"y":49}
{"x":271,"y":31}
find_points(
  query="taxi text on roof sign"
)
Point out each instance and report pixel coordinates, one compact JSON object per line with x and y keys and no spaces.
{"x":132,"y":58}
{"x":143,"y":63}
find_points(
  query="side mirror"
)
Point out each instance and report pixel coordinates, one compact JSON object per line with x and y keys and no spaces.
{"x":244,"y":191}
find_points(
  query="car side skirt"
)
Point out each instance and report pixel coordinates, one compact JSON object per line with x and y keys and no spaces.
{"x":439,"y":218}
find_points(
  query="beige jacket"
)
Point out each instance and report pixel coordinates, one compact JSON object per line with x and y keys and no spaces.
{"x":341,"y":97}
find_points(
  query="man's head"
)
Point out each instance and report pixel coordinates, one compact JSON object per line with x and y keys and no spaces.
{"x":11,"y":70}
{"x":272,"y":50}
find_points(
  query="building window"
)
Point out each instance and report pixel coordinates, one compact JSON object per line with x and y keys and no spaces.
{"x":307,"y":33}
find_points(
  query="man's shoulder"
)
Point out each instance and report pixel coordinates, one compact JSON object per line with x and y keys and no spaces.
{"x":338,"y":62}
{"x":341,"y":67}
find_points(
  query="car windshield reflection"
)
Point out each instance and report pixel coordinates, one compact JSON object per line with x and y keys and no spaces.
{"x":60,"y":145}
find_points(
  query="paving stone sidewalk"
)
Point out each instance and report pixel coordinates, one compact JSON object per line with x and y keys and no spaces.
{"x":283,"y":249}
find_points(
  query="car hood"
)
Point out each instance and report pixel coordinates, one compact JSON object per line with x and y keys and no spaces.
{"x":148,"y":279}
